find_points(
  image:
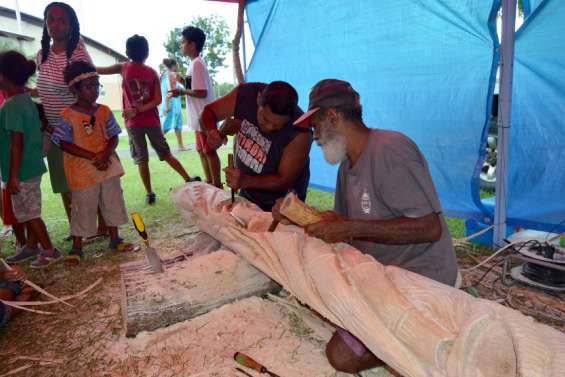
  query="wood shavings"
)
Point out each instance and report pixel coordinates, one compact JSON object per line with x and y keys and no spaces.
{"x":205,"y":345}
{"x":17,"y":370}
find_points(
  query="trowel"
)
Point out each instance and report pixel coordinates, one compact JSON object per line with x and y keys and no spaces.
{"x":152,"y":256}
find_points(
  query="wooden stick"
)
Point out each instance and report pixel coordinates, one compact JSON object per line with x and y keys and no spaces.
{"x":40,"y":303}
{"x":273,"y":225}
{"x":14,"y":305}
{"x":36,"y":287}
{"x":17,"y":370}
{"x":38,"y":359}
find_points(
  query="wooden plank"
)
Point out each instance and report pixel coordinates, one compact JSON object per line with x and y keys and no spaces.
{"x":188,"y":288}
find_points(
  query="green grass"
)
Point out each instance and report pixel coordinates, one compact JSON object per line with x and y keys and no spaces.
{"x":160,"y":216}
{"x":187,"y":137}
{"x":156,"y":217}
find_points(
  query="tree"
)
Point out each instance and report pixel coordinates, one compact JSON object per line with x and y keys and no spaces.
{"x":223,"y":89}
{"x":216,"y":47}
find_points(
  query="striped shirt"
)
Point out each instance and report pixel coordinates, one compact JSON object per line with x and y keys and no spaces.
{"x":54,"y":93}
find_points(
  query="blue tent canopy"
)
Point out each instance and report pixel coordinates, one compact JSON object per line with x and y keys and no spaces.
{"x":536,"y":175}
{"x":427,"y":68}
{"x":530,"y":6}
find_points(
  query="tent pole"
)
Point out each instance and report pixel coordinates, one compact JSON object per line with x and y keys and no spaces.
{"x":504,"y":121}
{"x":18,"y":15}
{"x":243,"y":45}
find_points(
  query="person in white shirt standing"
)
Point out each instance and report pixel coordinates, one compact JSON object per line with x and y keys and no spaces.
{"x":199,"y":92}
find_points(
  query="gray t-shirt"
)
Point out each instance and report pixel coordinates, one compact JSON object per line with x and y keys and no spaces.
{"x":391,"y":179}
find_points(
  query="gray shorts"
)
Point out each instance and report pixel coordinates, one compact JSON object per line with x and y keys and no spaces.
{"x":106,"y":195}
{"x":27,"y":203}
{"x":138,"y":144}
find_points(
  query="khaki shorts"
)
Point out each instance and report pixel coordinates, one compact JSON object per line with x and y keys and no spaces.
{"x":27,"y":203}
{"x":106,"y":195}
{"x":138,"y":144}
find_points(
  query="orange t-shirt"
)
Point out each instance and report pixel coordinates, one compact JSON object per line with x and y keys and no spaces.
{"x":88,"y":132}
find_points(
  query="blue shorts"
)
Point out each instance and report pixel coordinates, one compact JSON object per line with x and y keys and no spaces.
{"x":6,"y":311}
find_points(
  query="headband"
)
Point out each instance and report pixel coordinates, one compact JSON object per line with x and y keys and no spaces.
{"x":82,"y":76}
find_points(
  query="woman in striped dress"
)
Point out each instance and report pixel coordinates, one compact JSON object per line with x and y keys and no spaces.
{"x":61,"y":44}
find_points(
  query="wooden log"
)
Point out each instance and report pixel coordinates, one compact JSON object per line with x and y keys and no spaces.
{"x":418,"y":326}
{"x":188,"y":288}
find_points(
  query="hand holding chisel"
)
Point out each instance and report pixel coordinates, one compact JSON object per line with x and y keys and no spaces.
{"x":230,"y":165}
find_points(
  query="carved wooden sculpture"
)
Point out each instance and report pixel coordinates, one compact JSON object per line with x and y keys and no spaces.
{"x":417,"y":326}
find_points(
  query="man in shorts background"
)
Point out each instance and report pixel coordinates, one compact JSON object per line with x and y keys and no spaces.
{"x":199,"y":92}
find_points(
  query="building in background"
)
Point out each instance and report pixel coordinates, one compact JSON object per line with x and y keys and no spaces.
{"x":28,"y":41}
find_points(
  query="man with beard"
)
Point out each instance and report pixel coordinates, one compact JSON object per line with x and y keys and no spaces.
{"x":386,"y":204}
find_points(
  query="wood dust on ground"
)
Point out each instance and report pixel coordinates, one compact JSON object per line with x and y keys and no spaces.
{"x":88,"y":340}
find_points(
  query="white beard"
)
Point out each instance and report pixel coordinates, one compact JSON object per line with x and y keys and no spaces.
{"x":334,"y":147}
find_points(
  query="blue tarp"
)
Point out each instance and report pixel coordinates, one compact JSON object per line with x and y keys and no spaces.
{"x":530,"y":5}
{"x":258,"y":13}
{"x":536,"y":177}
{"x":423,"y":67}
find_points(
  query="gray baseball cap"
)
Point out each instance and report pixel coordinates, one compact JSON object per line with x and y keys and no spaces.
{"x":330,"y":93}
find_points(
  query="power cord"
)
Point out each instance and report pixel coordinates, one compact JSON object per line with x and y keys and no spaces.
{"x":514,"y":250}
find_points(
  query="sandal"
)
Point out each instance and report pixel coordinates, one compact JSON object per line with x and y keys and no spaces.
{"x":120,"y":246}
{"x":74,"y":257}
{"x":150,"y":198}
{"x":46,"y":259}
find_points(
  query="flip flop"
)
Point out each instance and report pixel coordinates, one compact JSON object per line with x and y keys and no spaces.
{"x":74,"y":257}
{"x":120,"y":246}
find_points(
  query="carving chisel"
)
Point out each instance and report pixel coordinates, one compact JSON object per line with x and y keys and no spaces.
{"x":230,"y":165}
{"x":152,"y":256}
{"x":248,"y":362}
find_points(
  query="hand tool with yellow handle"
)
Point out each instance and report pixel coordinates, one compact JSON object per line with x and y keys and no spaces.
{"x":248,"y":362}
{"x":152,"y":256}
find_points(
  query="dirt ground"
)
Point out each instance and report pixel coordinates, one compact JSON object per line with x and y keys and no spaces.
{"x":78,"y":341}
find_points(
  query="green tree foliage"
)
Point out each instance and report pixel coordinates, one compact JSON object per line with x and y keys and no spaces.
{"x":223,"y":89}
{"x":7,"y":45}
{"x":216,"y":48}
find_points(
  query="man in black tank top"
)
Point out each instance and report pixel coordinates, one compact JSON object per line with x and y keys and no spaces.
{"x":271,"y":155}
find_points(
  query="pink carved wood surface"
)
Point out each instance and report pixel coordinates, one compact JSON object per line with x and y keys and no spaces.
{"x":416,"y":325}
